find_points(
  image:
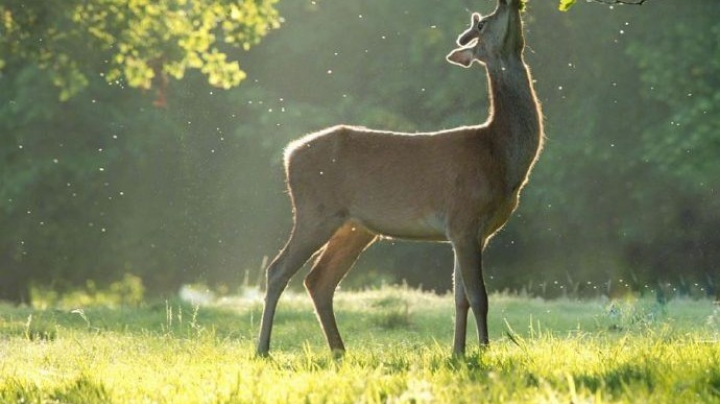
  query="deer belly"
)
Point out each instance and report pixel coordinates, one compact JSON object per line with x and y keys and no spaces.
{"x":424,"y":227}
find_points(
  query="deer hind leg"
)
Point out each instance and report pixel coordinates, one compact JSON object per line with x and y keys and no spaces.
{"x":461,"y":311}
{"x":332,"y":265}
{"x":468,"y":254}
{"x":309,"y":234}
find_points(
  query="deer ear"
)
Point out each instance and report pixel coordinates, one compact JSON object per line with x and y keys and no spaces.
{"x":461,"y":57}
{"x":475,"y":18}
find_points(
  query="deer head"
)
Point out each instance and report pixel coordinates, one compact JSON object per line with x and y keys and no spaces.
{"x":492,"y":38}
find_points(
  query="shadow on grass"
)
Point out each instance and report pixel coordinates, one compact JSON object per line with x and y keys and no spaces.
{"x":79,"y":390}
{"x":621,"y":378}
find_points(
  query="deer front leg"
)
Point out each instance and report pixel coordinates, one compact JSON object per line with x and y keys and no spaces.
{"x":461,"y":311}
{"x":468,"y":254}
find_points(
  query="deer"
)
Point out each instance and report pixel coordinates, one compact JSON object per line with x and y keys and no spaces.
{"x":350,"y":185}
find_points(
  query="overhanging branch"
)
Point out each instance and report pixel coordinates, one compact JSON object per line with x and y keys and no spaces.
{"x":632,"y":2}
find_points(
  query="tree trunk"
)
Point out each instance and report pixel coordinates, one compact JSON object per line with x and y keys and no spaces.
{"x":14,"y":283}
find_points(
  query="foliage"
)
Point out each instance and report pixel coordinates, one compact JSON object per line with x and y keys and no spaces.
{"x":129,"y":291}
{"x":105,"y":184}
{"x":565,"y":5}
{"x":58,"y":159}
{"x":688,"y":88}
{"x":540,"y":351}
{"x":135,"y":42}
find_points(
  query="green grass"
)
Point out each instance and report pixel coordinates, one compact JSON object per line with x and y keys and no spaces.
{"x":398,"y":344}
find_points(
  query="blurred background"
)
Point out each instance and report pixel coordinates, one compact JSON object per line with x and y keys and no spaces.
{"x":134,"y":150}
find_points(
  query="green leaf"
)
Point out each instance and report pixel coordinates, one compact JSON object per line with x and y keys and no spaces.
{"x":566,"y":4}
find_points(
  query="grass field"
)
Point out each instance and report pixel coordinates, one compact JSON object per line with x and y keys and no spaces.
{"x":398,"y":344}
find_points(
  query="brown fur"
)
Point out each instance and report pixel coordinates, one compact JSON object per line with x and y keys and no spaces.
{"x":349,"y":184}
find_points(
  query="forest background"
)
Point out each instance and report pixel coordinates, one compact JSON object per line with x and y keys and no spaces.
{"x":133,"y":146}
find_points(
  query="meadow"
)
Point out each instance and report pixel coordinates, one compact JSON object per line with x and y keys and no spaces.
{"x":623,"y":350}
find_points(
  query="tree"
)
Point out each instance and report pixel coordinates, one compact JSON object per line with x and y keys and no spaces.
{"x":679,"y":79}
{"x":565,"y":5}
{"x":137,"y":42}
{"x":194,"y":191}
{"x":69,"y":124}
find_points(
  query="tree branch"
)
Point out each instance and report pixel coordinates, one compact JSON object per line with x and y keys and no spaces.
{"x":632,"y":2}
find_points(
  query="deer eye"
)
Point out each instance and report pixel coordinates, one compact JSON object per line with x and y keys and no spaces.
{"x":480,"y":25}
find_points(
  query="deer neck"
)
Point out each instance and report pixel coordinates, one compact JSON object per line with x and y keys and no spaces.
{"x":515,"y":118}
